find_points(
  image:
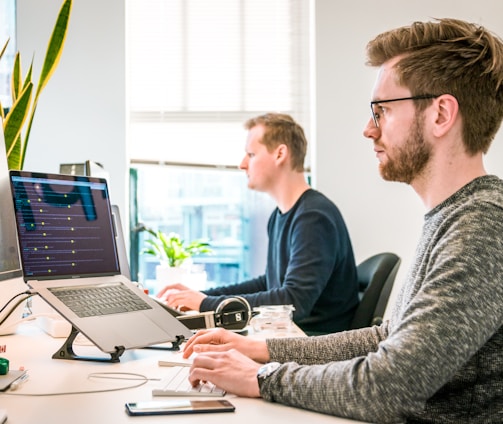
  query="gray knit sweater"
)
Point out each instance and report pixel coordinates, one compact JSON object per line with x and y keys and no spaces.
{"x":440,"y":357}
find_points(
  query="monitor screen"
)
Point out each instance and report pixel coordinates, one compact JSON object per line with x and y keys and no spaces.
{"x":9,"y":253}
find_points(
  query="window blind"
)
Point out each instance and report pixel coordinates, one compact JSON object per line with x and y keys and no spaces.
{"x":197,"y":69}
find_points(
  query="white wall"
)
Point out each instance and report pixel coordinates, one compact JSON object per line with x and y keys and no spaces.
{"x":81,"y":113}
{"x":381,"y":216}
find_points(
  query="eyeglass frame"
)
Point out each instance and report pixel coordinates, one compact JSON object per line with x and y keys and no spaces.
{"x":419,"y":97}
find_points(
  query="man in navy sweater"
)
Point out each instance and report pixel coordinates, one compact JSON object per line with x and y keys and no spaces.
{"x":310,"y":261}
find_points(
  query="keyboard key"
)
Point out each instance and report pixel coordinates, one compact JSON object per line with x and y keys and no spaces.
{"x":101,"y":299}
{"x":176,"y":383}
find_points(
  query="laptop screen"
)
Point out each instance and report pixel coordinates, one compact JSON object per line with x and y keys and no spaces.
{"x":64,"y":225}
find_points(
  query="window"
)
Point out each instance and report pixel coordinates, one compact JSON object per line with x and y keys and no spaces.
{"x":7,"y":31}
{"x":197,"y":71}
{"x":207,"y":203}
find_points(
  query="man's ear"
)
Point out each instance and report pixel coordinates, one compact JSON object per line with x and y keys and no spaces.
{"x":281,"y":153}
{"x":447,"y":112}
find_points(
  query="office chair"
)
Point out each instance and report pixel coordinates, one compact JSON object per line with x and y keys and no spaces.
{"x":376,"y":276}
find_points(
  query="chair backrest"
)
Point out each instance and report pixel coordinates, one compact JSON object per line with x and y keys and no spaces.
{"x":376,"y":276}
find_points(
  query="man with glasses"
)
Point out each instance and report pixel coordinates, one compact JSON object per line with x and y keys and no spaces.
{"x":436,"y":107}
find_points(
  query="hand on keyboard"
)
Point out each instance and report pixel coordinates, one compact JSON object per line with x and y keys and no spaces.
{"x":176,"y":383}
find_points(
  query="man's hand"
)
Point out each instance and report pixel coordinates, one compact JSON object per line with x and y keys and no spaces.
{"x":230,"y":370}
{"x":221,"y":340}
{"x":178,"y":296}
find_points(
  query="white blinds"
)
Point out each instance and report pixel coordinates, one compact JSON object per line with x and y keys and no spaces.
{"x":198,"y":69}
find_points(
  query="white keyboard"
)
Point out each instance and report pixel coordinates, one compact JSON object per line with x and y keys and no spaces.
{"x":176,"y":383}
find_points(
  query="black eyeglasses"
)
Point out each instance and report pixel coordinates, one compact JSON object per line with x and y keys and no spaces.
{"x":375,"y":116}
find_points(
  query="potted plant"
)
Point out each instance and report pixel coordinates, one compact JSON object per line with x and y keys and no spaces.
{"x":171,"y":249}
{"x":24,"y":102}
{"x":175,"y":256}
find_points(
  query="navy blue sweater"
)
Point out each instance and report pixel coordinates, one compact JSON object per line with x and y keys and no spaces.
{"x":310,"y":264}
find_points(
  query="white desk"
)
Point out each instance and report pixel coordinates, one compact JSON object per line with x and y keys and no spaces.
{"x":31,"y":348}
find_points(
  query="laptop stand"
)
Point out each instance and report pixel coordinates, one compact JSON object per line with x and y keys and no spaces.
{"x":66,"y":351}
{"x":174,"y":345}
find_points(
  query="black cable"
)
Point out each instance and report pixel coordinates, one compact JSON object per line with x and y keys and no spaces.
{"x":27,"y":294}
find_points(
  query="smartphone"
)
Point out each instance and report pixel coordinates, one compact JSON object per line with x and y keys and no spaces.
{"x":178,"y":406}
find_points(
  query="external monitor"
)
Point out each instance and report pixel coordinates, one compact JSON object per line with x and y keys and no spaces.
{"x":89,"y":168}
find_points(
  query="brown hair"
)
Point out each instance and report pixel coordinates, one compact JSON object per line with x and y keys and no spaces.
{"x":282,"y":129}
{"x":450,"y":56}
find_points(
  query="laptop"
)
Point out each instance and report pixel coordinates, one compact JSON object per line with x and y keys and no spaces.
{"x":68,"y":246}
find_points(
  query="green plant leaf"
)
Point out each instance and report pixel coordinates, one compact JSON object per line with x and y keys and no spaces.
{"x":15,"y":85}
{"x":13,"y":124}
{"x":55,"y":47}
{"x":23,"y":102}
{"x":172,"y":249}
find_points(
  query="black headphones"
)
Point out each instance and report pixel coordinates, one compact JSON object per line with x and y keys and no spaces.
{"x":233,"y":313}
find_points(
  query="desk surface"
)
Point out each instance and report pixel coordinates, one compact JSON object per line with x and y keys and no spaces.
{"x":32,"y":349}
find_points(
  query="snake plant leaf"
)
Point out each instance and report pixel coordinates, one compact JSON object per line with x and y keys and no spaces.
{"x":13,"y":124}
{"x":55,"y":47}
{"x":24,"y":104}
{"x":17,"y":85}
{"x":16,"y":81}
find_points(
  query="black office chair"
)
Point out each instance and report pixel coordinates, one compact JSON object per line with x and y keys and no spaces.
{"x":376,"y":276}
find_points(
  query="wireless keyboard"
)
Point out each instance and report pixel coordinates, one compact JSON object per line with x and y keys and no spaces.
{"x":176,"y":383}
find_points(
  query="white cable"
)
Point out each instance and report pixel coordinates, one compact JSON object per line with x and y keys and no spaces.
{"x":105,"y":375}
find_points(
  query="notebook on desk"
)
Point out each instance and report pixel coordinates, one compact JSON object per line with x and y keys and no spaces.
{"x":67,"y":244}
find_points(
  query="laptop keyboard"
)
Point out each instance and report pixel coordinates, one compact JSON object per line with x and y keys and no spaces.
{"x":177,"y":384}
{"x":101,"y":299}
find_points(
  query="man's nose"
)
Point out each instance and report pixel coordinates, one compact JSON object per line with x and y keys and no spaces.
{"x":370,"y":130}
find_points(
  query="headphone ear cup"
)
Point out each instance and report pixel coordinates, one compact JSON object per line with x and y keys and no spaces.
{"x":233,"y":313}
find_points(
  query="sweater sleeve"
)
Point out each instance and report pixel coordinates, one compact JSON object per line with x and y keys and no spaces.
{"x":453,"y":309}
{"x":332,"y":347}
{"x":218,"y":294}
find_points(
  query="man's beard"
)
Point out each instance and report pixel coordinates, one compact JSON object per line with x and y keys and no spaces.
{"x":410,"y":160}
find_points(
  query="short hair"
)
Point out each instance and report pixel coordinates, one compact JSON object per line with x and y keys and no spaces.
{"x":282,"y":129}
{"x":450,"y":56}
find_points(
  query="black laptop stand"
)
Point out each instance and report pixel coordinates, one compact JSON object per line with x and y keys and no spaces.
{"x":66,"y":351}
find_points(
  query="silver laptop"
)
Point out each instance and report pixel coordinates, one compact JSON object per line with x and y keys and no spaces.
{"x":68,"y":249}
